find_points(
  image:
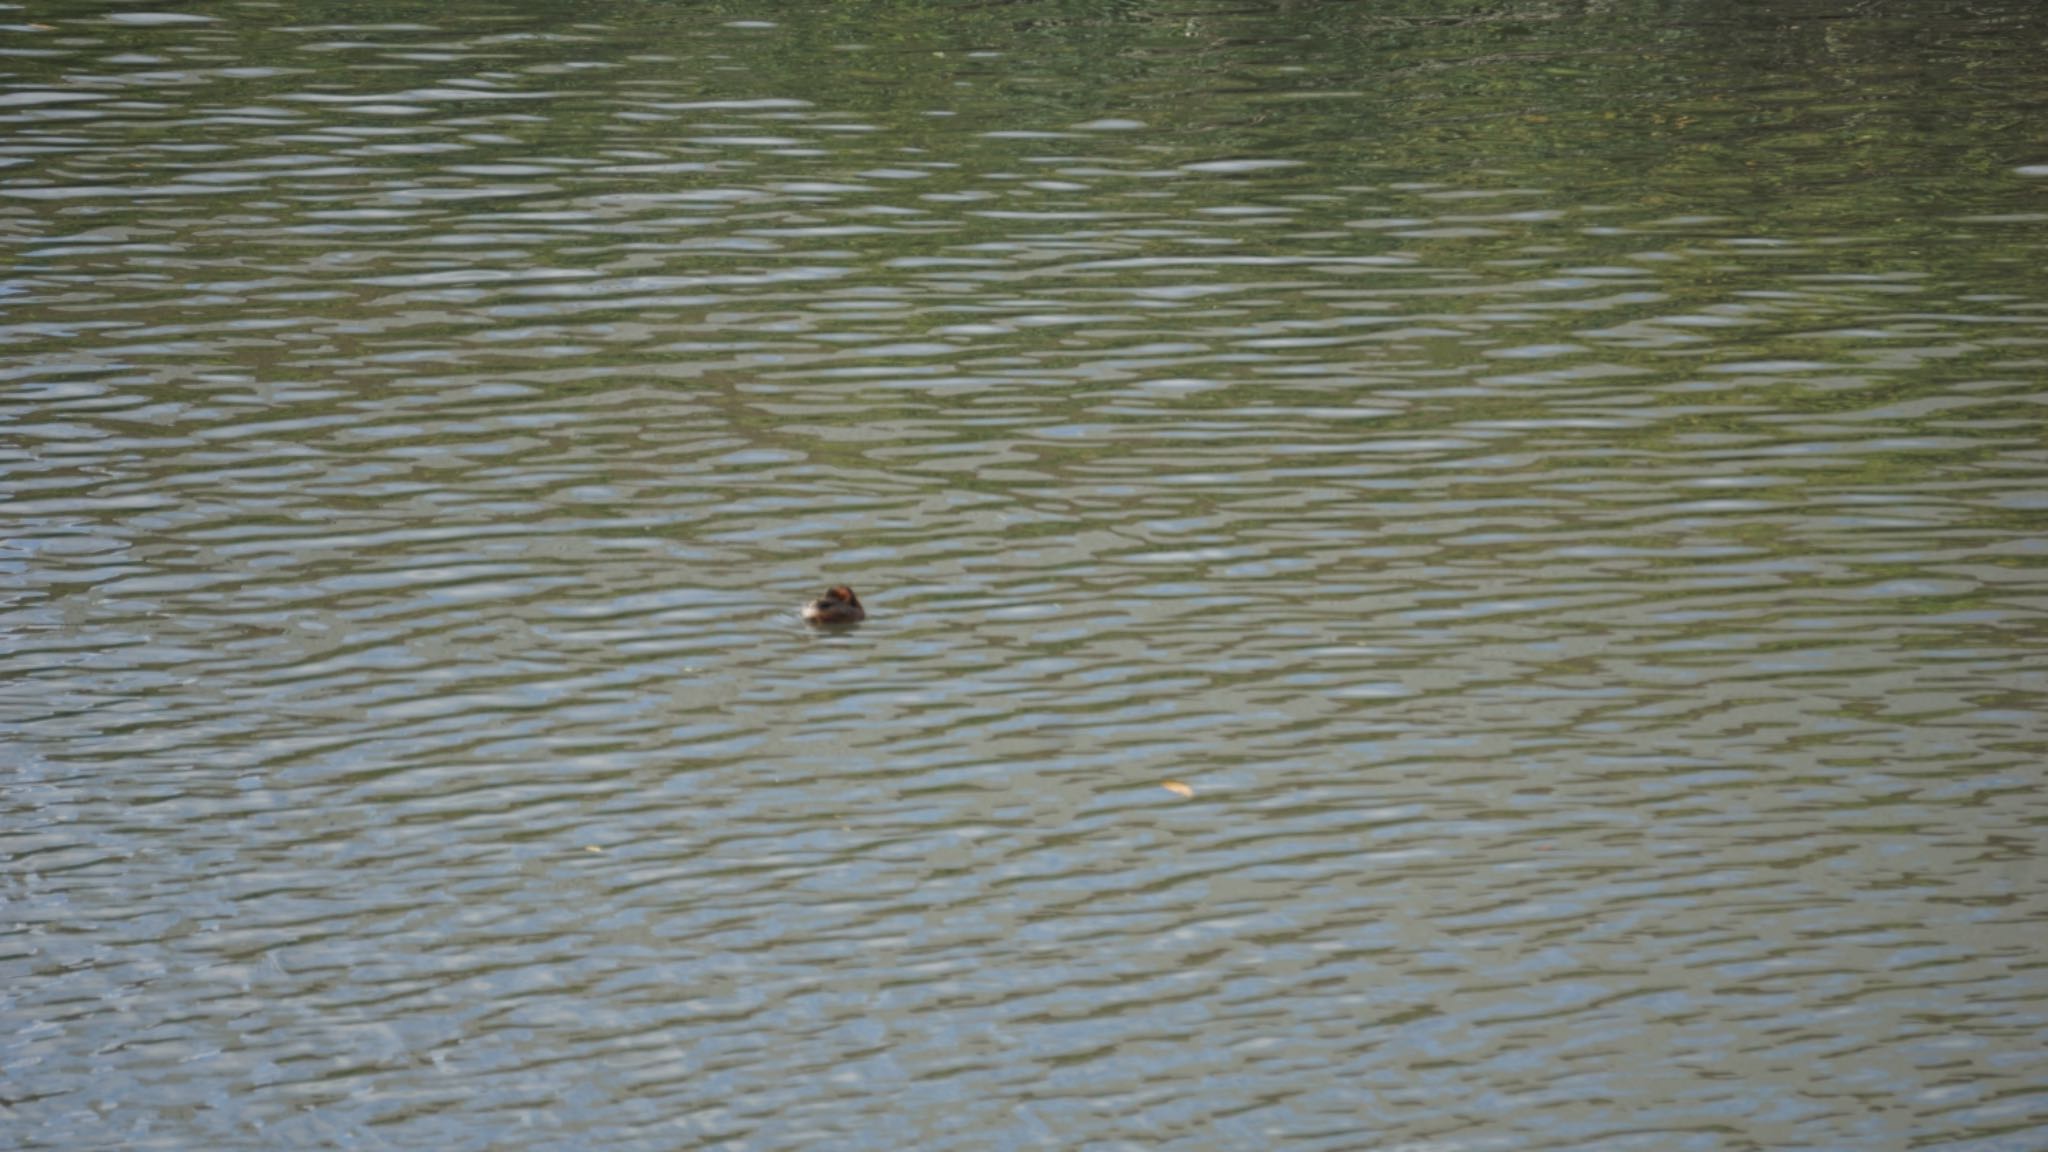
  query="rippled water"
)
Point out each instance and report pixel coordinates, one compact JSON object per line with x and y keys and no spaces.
{"x":1563,"y":485}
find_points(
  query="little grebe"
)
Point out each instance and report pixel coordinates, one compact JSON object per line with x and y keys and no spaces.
{"x":837,"y":606}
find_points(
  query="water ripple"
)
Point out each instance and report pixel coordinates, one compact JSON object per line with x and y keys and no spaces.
{"x":1584,"y":565}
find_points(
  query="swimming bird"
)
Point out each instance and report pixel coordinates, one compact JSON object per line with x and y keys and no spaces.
{"x":837,"y":606}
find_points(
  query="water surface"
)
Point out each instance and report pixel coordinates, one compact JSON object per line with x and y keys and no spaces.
{"x":1562,"y":484}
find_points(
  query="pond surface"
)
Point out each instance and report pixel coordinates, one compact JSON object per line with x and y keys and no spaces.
{"x":1561,"y":485}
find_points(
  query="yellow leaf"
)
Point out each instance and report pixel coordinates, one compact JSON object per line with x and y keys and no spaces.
{"x":1179,"y":789}
{"x":592,"y":848}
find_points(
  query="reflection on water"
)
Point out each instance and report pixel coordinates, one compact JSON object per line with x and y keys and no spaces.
{"x":1563,"y":488}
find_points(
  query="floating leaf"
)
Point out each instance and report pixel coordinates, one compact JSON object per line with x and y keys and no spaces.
{"x":592,"y":848}
{"x":1179,"y":789}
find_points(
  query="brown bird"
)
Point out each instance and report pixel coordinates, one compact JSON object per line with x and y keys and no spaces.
{"x":837,"y":606}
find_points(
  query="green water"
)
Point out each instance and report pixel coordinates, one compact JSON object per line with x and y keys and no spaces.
{"x":1558,"y":486}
